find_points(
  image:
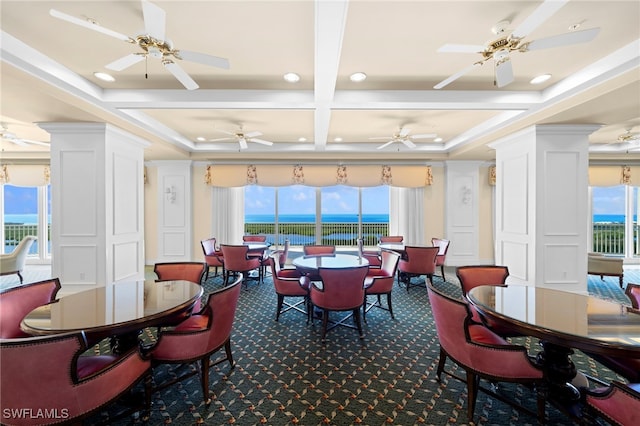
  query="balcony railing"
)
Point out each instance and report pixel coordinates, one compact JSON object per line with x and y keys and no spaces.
{"x":15,"y":232}
{"x":338,"y":234}
{"x":608,"y":238}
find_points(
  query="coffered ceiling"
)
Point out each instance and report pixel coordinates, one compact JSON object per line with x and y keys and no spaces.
{"x":48,"y":65}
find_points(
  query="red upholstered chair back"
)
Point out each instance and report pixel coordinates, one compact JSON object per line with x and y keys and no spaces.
{"x":392,"y":239}
{"x":318,"y":250}
{"x":236,"y":258}
{"x":476,"y":275}
{"x":342,"y":288}
{"x":254,"y":238}
{"x":286,"y":282}
{"x":188,"y":271}
{"x":47,"y":374}
{"x":17,"y":302}
{"x":419,"y":260}
{"x":390,"y":261}
{"x":619,"y":404}
{"x":443,"y":246}
{"x":211,"y":254}
{"x":206,"y":332}
{"x":633,"y":293}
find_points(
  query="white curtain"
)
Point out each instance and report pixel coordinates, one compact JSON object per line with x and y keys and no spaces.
{"x":406,"y":214}
{"x":227,"y":222}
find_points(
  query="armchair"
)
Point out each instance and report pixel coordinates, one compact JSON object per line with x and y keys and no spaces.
{"x":13,"y":263}
{"x":391,"y":239}
{"x":342,"y":289}
{"x":633,"y":293}
{"x":318,"y":250}
{"x":418,"y":261}
{"x":379,"y":281}
{"x":599,"y":264}
{"x":237,"y":260}
{"x":188,"y":271}
{"x":50,"y":373}
{"x":481,"y":353}
{"x":443,"y":245}
{"x":17,"y":302}
{"x":372,"y":256}
{"x":200,"y":336}
{"x":212,"y":256}
{"x":287,"y":285}
{"x":619,"y":404}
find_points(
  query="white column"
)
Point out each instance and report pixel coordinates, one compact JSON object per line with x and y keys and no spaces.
{"x":97,"y":201}
{"x":174,"y":211}
{"x":542,"y":206}
{"x":462,"y":212}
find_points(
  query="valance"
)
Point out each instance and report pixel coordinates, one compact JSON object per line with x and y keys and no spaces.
{"x":234,"y":175}
{"x":25,"y":174}
{"x":614,"y":175}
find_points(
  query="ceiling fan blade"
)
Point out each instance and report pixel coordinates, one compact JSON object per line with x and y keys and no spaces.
{"x":202,"y":58}
{"x":456,"y":76}
{"x":252,"y":134}
{"x":425,"y":136}
{"x":404,"y":132}
{"x":220,"y":139}
{"x":504,"y":72}
{"x":243,"y":143}
{"x":461,"y":48}
{"x":125,"y":62}
{"x":564,"y":39}
{"x":40,"y":143}
{"x":386,"y":144}
{"x":181,"y":75}
{"x":88,"y":24}
{"x":541,"y":14}
{"x":408,"y":143}
{"x":154,"y":20}
{"x":261,"y":141}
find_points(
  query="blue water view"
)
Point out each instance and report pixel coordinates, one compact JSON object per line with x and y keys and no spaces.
{"x":309,"y":218}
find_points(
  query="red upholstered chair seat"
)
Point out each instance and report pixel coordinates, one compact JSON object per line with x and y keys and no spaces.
{"x":194,"y":323}
{"x":88,"y":365}
{"x":481,"y":334}
{"x":633,"y":292}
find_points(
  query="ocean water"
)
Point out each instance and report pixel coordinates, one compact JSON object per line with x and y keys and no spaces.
{"x":309,"y":218}
{"x":611,"y":218}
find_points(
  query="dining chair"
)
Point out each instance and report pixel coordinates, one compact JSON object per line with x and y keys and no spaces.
{"x":391,"y":239}
{"x":13,"y":263}
{"x":17,"y":302}
{"x":237,"y":261}
{"x":340,"y":289}
{"x":212,"y":256}
{"x":318,"y":250}
{"x":373,"y":256}
{"x":286,"y":283}
{"x":188,"y":271}
{"x":282,"y":255}
{"x":254,"y":238}
{"x":198,"y":337}
{"x":379,"y":281}
{"x":418,"y":261}
{"x":262,"y":255}
{"x":618,"y":404}
{"x":482,"y":354}
{"x":54,"y":374}
{"x":443,"y":246}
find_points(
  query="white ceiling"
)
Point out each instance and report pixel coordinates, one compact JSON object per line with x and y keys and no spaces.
{"x":47,"y":67}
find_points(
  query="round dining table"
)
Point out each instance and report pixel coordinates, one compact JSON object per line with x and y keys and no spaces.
{"x":563,"y":321}
{"x":311,"y":264}
{"x":118,"y":311}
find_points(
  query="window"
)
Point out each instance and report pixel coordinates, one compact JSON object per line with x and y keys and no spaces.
{"x":305,"y":215}
{"x":26,"y":212}
{"x":615,"y":220}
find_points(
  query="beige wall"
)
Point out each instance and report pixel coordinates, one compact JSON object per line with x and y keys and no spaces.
{"x":485,"y":209}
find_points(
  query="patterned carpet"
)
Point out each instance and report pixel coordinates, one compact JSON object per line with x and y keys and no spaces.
{"x":285,"y":375}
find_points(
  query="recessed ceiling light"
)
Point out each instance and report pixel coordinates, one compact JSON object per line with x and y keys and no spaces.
{"x":292,"y":77}
{"x":357,"y":77}
{"x":437,"y":140}
{"x":201,"y":139}
{"x":104,"y":76}
{"x":540,"y":79}
{"x":338,"y":139}
{"x":302,"y":139}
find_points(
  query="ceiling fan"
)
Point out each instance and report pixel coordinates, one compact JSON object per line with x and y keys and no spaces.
{"x":402,"y":135}
{"x":500,"y":48}
{"x":13,"y":138}
{"x":628,"y":136}
{"x":242,"y":138}
{"x":153,"y":44}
